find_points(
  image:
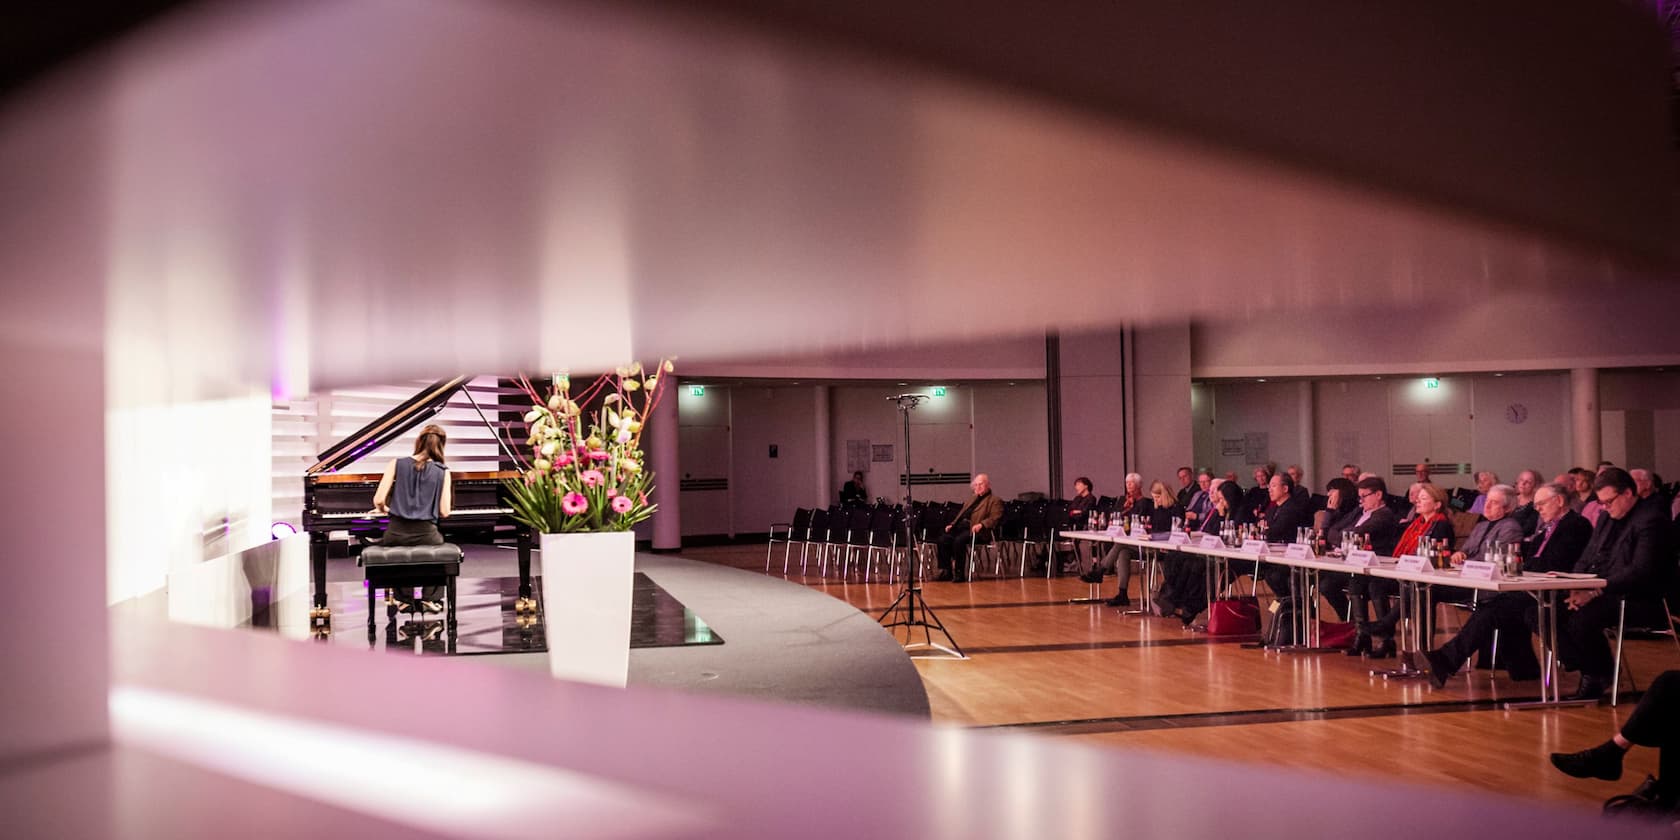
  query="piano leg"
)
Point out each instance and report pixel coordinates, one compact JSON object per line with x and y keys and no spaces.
{"x":525,"y":604}
{"x":319,"y":614}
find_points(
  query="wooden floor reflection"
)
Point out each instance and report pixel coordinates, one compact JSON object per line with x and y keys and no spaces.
{"x":1087,"y":672}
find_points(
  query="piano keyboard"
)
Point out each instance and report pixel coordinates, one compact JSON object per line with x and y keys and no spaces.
{"x":459,"y":512}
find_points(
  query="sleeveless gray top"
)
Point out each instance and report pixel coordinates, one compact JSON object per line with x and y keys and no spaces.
{"x":415,"y":493}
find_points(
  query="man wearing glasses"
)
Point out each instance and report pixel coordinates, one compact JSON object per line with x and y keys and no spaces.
{"x":1554,"y":547}
{"x":1632,"y":549}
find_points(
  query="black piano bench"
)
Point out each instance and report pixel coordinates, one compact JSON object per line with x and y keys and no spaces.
{"x":409,"y":566}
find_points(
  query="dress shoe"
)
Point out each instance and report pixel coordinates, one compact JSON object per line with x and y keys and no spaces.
{"x":1601,"y":762}
{"x":1384,"y":649}
{"x":1591,"y":688}
{"x":1439,"y":668}
{"x":1121,"y":600}
{"x":1092,"y":576}
{"x":1361,"y":645}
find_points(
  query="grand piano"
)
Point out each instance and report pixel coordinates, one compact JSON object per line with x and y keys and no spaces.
{"x":335,"y":500}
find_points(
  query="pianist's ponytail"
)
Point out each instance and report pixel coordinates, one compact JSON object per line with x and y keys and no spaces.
{"x":430,"y":444}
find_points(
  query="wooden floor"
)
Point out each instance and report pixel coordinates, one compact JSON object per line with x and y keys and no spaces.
{"x":1038,"y":664}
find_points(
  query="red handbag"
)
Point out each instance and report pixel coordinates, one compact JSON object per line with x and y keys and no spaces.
{"x":1336,"y":634}
{"x":1234,"y":617}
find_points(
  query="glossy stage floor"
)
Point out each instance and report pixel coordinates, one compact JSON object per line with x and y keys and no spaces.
{"x":697,"y":626}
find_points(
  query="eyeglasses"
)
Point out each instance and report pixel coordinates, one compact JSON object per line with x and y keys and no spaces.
{"x":1366,"y":494}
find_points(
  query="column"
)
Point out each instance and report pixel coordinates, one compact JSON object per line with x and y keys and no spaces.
{"x":662,"y":436}
{"x":1308,"y":435}
{"x":824,"y":430}
{"x":1586,"y":448}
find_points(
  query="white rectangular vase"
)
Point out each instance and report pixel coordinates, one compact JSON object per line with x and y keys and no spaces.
{"x":587,"y":580}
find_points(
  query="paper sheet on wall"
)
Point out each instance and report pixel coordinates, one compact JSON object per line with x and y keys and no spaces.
{"x":857,"y":456}
{"x":1256,"y":447}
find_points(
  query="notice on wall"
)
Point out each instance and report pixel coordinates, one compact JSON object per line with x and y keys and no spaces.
{"x":1231,"y":447}
{"x":882,"y":453}
{"x":1256,"y":447}
{"x":857,"y":456}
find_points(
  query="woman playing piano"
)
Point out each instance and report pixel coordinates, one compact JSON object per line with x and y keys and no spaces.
{"x":415,"y":492}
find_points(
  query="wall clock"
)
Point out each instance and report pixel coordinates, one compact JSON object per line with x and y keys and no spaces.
{"x":1516,"y":413}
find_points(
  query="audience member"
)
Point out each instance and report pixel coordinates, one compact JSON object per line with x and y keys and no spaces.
{"x":1080,"y":506}
{"x":1258,"y":497}
{"x":1299,"y":476}
{"x":1185,"y":577}
{"x":1186,"y":486}
{"x":1430,"y":522}
{"x":1484,"y":480}
{"x":1528,"y":483}
{"x":1655,"y":722}
{"x":1631,"y":549}
{"x":1162,"y":507}
{"x":1554,"y":547}
{"x":1495,"y":529}
{"x":973,"y":524}
{"x":1120,"y":557}
{"x":1351,"y":472}
{"x":853,"y":492}
{"x":1341,"y":512}
{"x":1201,"y":501}
{"x":1287,"y":515}
{"x":1421,"y":471}
{"x":1583,"y":481}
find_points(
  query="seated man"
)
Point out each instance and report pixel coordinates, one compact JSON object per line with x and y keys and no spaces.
{"x":1186,"y":486}
{"x":1553,"y":547}
{"x":1495,"y":528}
{"x":1289,"y":513}
{"x":1631,"y":549}
{"x":1201,"y":502}
{"x":1299,"y":476}
{"x":1351,"y":472}
{"x":974,"y":523}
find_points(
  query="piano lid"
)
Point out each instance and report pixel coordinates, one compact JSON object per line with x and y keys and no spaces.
{"x":389,"y":426}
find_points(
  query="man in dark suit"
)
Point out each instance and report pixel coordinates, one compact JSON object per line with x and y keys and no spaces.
{"x":1288,"y":514}
{"x":1632,"y":549}
{"x":974,"y":524}
{"x":1553,"y":547}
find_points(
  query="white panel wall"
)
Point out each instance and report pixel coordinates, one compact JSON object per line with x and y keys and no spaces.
{"x":1161,"y":371}
{"x":1378,"y":424}
{"x":762,"y":487}
{"x":1093,"y":411}
{"x":1011,"y":442}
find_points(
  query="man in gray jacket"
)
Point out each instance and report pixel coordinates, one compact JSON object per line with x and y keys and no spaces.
{"x":1496,"y":527}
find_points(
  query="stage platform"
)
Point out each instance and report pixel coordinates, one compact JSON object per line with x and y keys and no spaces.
{"x":697,"y":626}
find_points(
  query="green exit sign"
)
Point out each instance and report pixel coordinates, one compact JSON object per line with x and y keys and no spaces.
{"x":1431,"y":382}
{"x":697,"y":390}
{"x":939,"y":392}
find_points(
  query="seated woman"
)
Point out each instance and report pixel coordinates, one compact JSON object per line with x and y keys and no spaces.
{"x":1341,"y":511}
{"x":1431,"y":522}
{"x":1184,"y":587}
{"x":1163,"y":507}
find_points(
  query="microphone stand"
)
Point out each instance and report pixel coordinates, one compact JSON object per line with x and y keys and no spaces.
{"x":910,"y":609}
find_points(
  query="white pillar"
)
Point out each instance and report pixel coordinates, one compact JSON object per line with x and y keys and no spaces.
{"x":1586,"y":450}
{"x":662,"y":436}
{"x":1309,"y":434}
{"x":824,"y":449}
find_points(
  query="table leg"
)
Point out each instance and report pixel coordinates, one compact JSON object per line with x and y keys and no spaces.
{"x":1551,"y":692}
{"x":1408,"y":635}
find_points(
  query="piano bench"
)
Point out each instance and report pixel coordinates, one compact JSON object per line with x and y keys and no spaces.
{"x":409,"y":566}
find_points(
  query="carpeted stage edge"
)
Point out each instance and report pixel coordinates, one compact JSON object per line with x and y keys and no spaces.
{"x":782,"y":642}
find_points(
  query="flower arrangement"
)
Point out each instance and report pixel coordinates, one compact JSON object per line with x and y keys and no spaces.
{"x":588,"y":479}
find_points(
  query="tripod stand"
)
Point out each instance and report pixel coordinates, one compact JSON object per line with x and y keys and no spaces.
{"x":905,"y":608}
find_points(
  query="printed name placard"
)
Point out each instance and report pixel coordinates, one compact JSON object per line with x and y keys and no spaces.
{"x":1298,"y":551}
{"x":1414,"y":563}
{"x":1113,"y":530}
{"x":1479,"y":570}
{"x":1138,"y":533}
{"x":1361,"y":558}
{"x":1178,"y":538}
{"x":1211,"y":541}
{"x":1254,"y":546}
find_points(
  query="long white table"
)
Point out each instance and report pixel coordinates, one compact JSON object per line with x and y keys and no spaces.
{"x":1545,"y":589}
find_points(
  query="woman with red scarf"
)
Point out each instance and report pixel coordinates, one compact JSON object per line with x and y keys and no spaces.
{"x":1430,"y":523}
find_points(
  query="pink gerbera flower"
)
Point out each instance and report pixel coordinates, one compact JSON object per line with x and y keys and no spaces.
{"x":622,"y":504}
{"x":598,"y":455}
{"x":564,"y":459}
{"x":574,"y":504}
{"x":592,"y":478}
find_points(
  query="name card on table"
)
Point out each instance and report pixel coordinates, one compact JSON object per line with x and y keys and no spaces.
{"x":1361,"y":558}
{"x":1113,"y":530}
{"x":1479,"y":570}
{"x":1254,"y":547}
{"x":1298,"y":551}
{"x":1138,"y":533}
{"x":1414,"y":563}
{"x":1211,"y":541}
{"x":1178,"y":538}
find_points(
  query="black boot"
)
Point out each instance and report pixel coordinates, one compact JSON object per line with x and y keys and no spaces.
{"x":1591,"y":688}
{"x":1601,"y":762}
{"x":1384,"y":649}
{"x":1440,"y":668}
{"x":1361,"y":644}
